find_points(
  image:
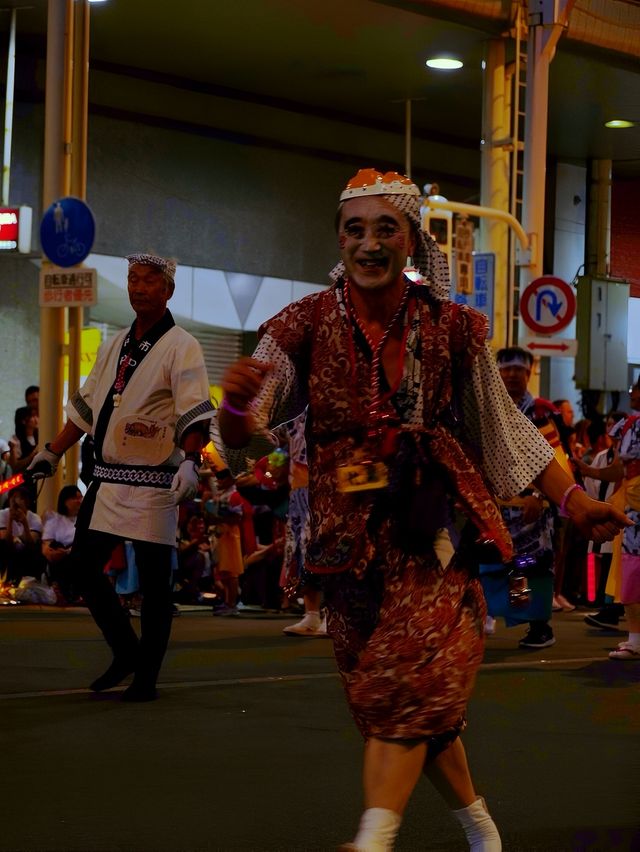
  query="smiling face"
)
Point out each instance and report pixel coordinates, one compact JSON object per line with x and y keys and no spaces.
{"x":375,"y":239}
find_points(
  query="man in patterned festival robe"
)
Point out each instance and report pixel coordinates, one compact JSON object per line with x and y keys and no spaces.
{"x":146,"y":404}
{"x":408,"y":419}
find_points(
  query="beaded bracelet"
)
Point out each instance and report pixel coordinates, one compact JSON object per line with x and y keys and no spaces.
{"x":565,"y":498}
{"x":228,"y":407}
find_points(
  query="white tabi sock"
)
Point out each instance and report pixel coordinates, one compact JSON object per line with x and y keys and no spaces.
{"x":479,"y":828}
{"x":377,"y":831}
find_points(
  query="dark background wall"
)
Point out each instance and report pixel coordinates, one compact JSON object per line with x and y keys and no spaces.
{"x":625,"y":234}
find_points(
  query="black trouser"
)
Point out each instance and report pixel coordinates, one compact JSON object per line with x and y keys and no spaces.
{"x":90,"y":553}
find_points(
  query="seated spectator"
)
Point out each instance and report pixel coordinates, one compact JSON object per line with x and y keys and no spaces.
{"x":20,"y":533}
{"x":195,"y":562}
{"x":57,"y":538}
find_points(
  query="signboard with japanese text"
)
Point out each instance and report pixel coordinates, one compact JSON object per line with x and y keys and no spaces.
{"x":482,"y":279}
{"x":68,"y":288}
{"x":463,"y":229}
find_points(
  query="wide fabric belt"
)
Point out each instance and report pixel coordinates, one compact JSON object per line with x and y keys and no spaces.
{"x":127,"y":474}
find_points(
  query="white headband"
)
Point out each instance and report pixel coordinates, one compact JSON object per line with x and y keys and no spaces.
{"x":164,"y":264}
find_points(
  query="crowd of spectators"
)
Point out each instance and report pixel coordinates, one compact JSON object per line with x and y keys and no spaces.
{"x":231,"y":539}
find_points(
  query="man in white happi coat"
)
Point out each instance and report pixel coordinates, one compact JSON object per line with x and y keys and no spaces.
{"x":146,"y":405}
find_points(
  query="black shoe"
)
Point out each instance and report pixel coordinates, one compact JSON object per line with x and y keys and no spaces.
{"x":538,"y":637}
{"x":115,"y":674}
{"x":605,"y":619}
{"x":140,"y":692}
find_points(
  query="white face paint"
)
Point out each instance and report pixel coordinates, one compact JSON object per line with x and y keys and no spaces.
{"x":375,"y":239}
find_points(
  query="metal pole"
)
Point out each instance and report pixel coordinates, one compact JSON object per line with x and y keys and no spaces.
{"x":52,"y":319}
{"x":494,"y":182}
{"x":535,"y":149}
{"x":486,"y":212}
{"x":8,"y":109}
{"x":78,"y":187}
{"x":540,"y":51}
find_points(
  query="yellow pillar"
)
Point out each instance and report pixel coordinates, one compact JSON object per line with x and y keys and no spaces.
{"x":78,"y":187}
{"x":52,"y":320}
{"x":65,"y":151}
{"x":494,"y":191}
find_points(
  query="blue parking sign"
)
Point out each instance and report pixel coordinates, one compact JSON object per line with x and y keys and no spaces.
{"x":67,"y":231}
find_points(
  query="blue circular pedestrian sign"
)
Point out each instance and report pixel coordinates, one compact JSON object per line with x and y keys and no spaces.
{"x":67,"y":231}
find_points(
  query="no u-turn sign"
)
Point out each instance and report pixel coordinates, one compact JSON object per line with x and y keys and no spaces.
{"x":547,"y":305}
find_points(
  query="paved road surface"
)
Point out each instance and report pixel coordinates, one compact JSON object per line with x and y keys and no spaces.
{"x":250,"y":746}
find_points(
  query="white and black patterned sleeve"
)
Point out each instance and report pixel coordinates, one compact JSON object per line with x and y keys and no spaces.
{"x":513,"y":451}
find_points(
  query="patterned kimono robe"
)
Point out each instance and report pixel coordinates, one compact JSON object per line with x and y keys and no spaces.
{"x":407,"y":628}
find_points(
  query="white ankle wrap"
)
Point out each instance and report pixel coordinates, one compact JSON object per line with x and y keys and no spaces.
{"x":377,"y":831}
{"x":479,"y":828}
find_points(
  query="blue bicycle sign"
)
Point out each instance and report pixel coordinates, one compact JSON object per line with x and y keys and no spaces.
{"x":67,"y":231}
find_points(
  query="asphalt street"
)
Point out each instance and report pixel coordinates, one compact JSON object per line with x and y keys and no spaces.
{"x":250,"y":745}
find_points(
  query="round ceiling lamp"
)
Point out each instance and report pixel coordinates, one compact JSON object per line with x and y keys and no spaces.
{"x":619,"y":123}
{"x":444,"y":63}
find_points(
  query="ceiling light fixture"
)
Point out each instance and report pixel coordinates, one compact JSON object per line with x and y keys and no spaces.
{"x":619,"y":123}
{"x":444,"y":63}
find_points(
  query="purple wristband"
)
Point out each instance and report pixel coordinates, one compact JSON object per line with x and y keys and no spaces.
{"x":565,"y":498}
{"x":228,"y":407}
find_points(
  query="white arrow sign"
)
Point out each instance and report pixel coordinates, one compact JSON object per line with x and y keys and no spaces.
{"x":550,"y":346}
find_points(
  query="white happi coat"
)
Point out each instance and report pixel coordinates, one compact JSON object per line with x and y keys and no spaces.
{"x":168,"y":392}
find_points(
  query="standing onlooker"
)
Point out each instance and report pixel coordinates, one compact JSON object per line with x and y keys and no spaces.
{"x":146,"y":403}
{"x":600,"y":478}
{"x":295,"y":579}
{"x":627,"y":497}
{"x":227,"y":514}
{"x":530,"y":518}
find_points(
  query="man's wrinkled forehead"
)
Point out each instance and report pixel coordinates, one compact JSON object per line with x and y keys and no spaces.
{"x":375,"y":208}
{"x":145,"y":270}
